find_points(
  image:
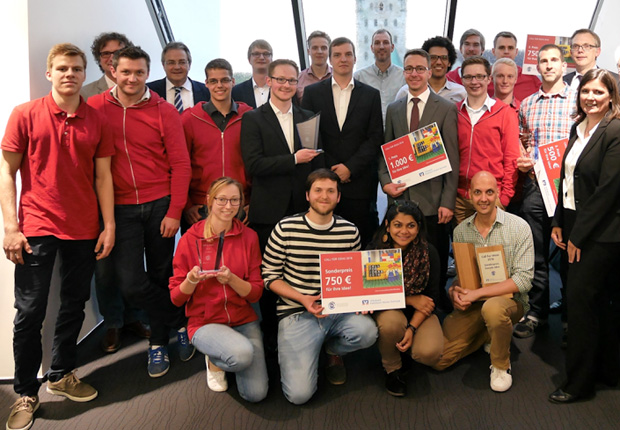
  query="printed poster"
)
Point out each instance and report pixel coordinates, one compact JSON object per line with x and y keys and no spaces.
{"x":362,"y":281}
{"x":417,"y":156}
{"x":533,"y":45}
{"x":547,"y":168}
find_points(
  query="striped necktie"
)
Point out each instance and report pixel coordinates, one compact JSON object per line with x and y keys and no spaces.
{"x":178,"y":102}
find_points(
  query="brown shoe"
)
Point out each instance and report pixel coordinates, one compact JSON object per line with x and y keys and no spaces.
{"x":111,"y":341}
{"x":72,"y":388}
{"x":139,"y":329}
{"x":335,"y":371}
{"x":22,"y":413}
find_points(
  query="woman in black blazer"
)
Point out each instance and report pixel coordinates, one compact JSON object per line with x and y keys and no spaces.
{"x":586,"y":226}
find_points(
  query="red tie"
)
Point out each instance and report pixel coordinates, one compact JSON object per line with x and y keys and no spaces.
{"x":415,"y":115}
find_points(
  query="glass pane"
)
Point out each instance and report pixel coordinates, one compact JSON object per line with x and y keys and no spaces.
{"x":226,"y":28}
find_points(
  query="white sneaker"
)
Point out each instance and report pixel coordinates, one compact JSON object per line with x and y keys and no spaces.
{"x":501,"y":380}
{"x":216,"y":380}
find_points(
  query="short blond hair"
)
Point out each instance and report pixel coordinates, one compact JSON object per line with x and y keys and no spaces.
{"x":68,"y":49}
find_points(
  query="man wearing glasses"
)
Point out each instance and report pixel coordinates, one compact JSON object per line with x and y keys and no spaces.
{"x":103,"y":49}
{"x":443,"y":56}
{"x":585,"y":47}
{"x":255,"y":91}
{"x":177,"y":88}
{"x":278,"y":167}
{"x":419,"y":108}
{"x":212,"y":130}
{"x":488,"y":133}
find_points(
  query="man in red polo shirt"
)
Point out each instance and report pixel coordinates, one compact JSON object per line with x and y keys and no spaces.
{"x":63,"y":152}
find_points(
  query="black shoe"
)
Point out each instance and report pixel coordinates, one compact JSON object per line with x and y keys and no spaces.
{"x":395,"y":384}
{"x":111,"y":341}
{"x":556,"y":307}
{"x":560,"y":396}
{"x":527,"y":327}
{"x":564,"y":343}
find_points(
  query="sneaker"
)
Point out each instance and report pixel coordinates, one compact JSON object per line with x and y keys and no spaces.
{"x":159,"y":363}
{"x":72,"y":388}
{"x":395,"y":384}
{"x":186,"y":349}
{"x":526,"y":327}
{"x":501,"y":380}
{"x":335,"y":371}
{"x":22,"y":413}
{"x":216,"y":379}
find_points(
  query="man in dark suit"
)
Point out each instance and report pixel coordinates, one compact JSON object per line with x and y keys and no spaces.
{"x":351,"y":132}
{"x":255,"y":91}
{"x":585,"y":48}
{"x":278,"y":167}
{"x":177,"y":88}
{"x":436,"y":196}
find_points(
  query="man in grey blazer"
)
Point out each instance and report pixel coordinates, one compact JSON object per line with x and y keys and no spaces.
{"x":103,"y":48}
{"x":435,"y":197}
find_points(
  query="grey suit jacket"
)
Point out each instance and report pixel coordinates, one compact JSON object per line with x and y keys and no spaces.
{"x":439,"y":191}
{"x":94,"y":88}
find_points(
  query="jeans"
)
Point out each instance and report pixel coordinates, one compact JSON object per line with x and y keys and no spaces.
{"x":138,"y":234}
{"x":238,"y":350}
{"x":300,"y":338}
{"x":32,"y":285}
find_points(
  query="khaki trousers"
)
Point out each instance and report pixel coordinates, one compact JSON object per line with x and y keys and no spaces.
{"x":466,"y":331}
{"x":427,"y":343}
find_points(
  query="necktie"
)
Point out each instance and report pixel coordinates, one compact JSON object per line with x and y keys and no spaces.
{"x":178,"y":102}
{"x":415,"y":115}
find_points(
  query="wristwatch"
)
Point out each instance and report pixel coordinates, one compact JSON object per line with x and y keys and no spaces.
{"x":412,"y":328}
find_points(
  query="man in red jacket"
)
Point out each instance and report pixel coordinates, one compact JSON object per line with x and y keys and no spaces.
{"x":151,"y":173}
{"x":488,"y":133}
{"x":212,"y":131}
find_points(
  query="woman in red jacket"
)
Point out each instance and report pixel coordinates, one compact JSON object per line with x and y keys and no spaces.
{"x":221,"y":323}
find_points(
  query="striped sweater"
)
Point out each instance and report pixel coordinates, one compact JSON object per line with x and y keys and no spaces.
{"x":292,"y":255}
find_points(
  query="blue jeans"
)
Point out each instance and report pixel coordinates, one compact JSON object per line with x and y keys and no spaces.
{"x":138,"y":235}
{"x":300,"y":338}
{"x":238,"y":350}
{"x":32,"y":286}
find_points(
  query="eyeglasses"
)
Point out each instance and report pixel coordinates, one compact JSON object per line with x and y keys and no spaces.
{"x":181,"y":63}
{"x":107,"y":54}
{"x":469,"y":78}
{"x":443,"y":58}
{"x":283,"y":81}
{"x":223,"y":81}
{"x":222,"y":201}
{"x":419,"y":70}
{"x":586,"y":47}
{"x":261,"y":54}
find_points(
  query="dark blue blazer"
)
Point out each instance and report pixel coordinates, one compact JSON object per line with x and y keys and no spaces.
{"x":200,"y":90}
{"x":244,"y":92}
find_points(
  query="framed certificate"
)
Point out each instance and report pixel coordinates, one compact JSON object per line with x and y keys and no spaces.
{"x":480,"y":267}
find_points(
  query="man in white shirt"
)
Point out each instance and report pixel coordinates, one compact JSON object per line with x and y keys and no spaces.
{"x":177,"y":88}
{"x":255,"y":91}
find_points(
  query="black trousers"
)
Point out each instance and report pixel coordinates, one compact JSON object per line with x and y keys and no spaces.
{"x":32,"y":285}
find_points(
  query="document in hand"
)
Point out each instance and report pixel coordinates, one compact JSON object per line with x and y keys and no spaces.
{"x":417,"y":156}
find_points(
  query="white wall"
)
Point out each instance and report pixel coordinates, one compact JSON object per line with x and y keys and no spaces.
{"x":607,"y":28}
{"x":32,"y":27}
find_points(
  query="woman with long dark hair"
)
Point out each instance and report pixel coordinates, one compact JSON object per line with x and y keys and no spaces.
{"x":586,"y":226}
{"x":416,"y":329}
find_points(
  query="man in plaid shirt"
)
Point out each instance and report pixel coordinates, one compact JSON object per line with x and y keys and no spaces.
{"x":544,"y":117}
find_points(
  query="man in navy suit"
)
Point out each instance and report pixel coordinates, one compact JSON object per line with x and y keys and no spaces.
{"x":255,"y":91}
{"x":177,"y":88}
{"x":351,"y":132}
{"x":585,"y":48}
{"x":278,"y":167}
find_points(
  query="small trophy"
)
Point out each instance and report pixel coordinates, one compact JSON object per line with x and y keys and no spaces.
{"x":210,"y":254}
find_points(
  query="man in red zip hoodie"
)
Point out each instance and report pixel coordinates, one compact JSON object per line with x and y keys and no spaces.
{"x":488,"y":132}
{"x":212,"y":131}
{"x":151,"y":173}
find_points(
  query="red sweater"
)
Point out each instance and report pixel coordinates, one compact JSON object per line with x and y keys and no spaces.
{"x":492,"y":145}
{"x":213,"y":153}
{"x":213,"y":302}
{"x":151,"y":158}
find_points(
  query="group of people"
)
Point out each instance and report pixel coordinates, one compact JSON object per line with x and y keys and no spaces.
{"x":112,"y":170}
